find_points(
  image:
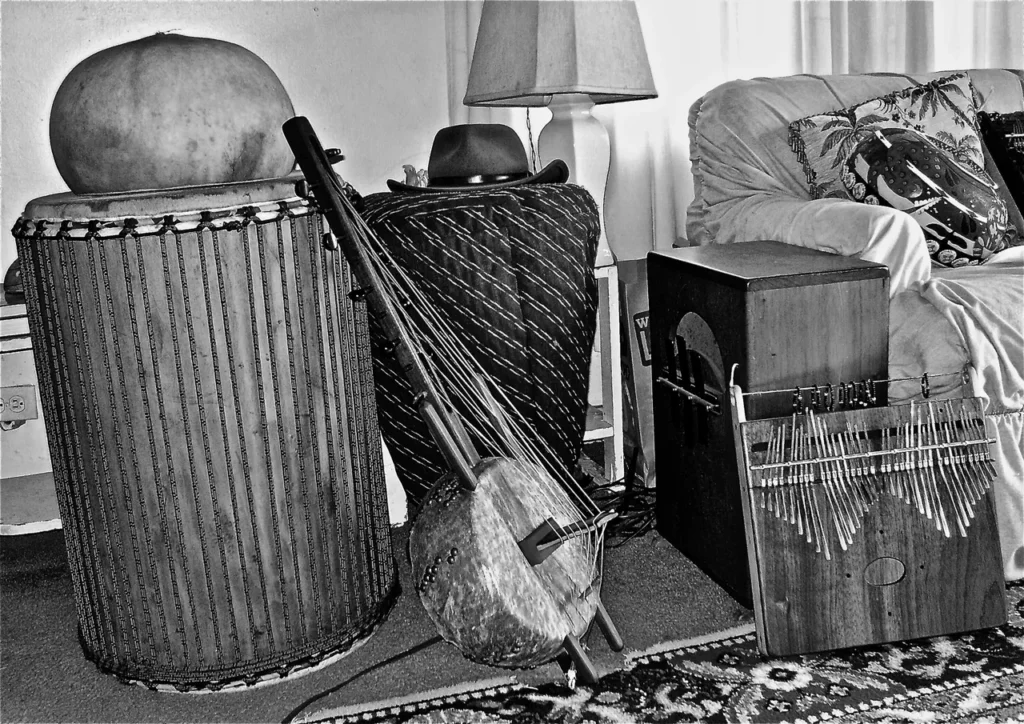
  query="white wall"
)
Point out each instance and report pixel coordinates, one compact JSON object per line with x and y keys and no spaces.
{"x":371,"y":76}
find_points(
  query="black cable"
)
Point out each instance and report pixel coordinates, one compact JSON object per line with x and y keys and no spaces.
{"x":634,"y":503}
{"x":415,"y":649}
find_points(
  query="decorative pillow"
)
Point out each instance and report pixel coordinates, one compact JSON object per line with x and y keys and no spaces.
{"x":1003,"y":136}
{"x":942,"y":109}
{"x":961,"y":213}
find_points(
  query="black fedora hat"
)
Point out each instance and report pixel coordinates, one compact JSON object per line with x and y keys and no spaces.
{"x":481,"y":156}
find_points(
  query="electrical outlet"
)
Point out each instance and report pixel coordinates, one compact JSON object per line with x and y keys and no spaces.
{"x":18,"y":403}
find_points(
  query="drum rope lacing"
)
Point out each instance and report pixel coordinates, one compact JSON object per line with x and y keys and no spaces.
{"x":230,"y":218}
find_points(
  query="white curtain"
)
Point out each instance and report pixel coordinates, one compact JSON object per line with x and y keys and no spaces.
{"x":694,"y":45}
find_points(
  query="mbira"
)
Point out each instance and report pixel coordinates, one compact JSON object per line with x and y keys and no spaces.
{"x":769,"y":504}
{"x":870,"y":524}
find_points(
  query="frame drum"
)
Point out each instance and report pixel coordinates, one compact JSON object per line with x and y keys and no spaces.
{"x":208,"y":395}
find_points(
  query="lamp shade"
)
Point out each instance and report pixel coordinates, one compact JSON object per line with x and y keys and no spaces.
{"x":529,"y":50}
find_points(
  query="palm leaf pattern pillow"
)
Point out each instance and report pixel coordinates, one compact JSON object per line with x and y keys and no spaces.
{"x":944,"y":110}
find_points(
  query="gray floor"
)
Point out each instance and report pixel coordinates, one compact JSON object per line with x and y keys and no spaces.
{"x":652,"y":592}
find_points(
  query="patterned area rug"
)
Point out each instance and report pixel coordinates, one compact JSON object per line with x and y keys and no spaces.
{"x":975,"y":677}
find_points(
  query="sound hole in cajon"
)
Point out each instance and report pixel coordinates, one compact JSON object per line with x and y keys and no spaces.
{"x":697,"y":378}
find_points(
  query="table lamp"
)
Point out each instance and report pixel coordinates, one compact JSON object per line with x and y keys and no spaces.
{"x":567,"y":56}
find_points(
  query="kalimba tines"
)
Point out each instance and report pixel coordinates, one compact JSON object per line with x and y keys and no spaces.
{"x":867,"y":524}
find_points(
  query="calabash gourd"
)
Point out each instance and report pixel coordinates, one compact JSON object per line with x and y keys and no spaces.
{"x":169,"y":110}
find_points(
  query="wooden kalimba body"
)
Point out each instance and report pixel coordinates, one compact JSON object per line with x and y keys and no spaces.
{"x":866,"y":525}
{"x":785,"y":315}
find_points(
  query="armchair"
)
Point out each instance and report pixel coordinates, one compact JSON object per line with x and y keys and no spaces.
{"x":749,"y":185}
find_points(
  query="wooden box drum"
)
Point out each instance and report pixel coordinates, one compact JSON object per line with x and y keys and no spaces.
{"x":208,"y":393}
{"x":787,"y":316}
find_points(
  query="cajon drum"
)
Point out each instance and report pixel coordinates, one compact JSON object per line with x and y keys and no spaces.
{"x":788,"y":317}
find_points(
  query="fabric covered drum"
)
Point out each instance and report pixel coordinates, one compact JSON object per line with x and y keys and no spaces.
{"x":208,"y":392}
{"x":512,"y":270}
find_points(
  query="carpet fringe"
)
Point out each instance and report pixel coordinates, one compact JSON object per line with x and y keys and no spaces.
{"x":715,"y":637}
{"x":480,"y":687}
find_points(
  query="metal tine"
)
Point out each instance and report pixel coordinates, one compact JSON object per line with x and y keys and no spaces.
{"x":779,"y":481}
{"x":954,"y":458}
{"x":949,"y":453}
{"x":903,"y":444}
{"x":804,"y":465}
{"x":924,"y":502}
{"x":897,"y":466}
{"x":927,"y":474}
{"x":759,"y":481}
{"x":789,"y":479}
{"x":792,"y":475}
{"x":858,"y":479}
{"x":963,"y":464}
{"x":842,"y":480}
{"x":863,"y":442}
{"x":986,"y":451}
{"x":804,"y":474}
{"x":767,"y":476}
{"x":807,"y":453}
{"x":854,"y":482}
{"x":921,"y":472}
{"x":860,"y":461}
{"x":814,"y":533}
{"x":818,"y":532}
{"x":909,"y":480}
{"x":929,"y":467}
{"x":853,"y":479}
{"x":888,"y":444}
{"x":874,"y":473}
{"x":842,"y":531}
{"x":855,"y":496}
{"x":968,"y":426}
{"x":797,"y":512}
{"x":846,"y":516}
{"x":802,"y":501}
{"x":952,"y":487}
{"x":968,"y":453}
{"x":803,"y":515}
{"x":906,"y":482}
{"x":886,"y":463}
{"x":856,"y":455}
{"x":822,"y":528}
{"x":980,"y":452}
{"x":839,"y":519}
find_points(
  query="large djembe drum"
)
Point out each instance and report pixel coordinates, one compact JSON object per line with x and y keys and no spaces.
{"x":207,"y":387}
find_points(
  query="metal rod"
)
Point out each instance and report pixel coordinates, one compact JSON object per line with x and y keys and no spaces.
{"x":877,"y":453}
{"x":713,"y":406}
{"x":960,"y":374}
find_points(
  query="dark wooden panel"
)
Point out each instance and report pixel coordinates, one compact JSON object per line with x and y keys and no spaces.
{"x":814,"y":335}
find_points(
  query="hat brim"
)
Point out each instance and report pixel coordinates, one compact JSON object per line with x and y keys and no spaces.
{"x":556,"y":172}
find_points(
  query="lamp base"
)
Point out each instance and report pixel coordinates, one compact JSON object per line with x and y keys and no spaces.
{"x":577,"y":137}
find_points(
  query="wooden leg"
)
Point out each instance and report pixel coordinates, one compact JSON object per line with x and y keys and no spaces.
{"x":584,"y":668}
{"x":607,"y":626}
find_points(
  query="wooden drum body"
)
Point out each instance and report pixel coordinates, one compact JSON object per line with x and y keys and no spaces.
{"x":474,"y":581}
{"x":207,"y":387}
